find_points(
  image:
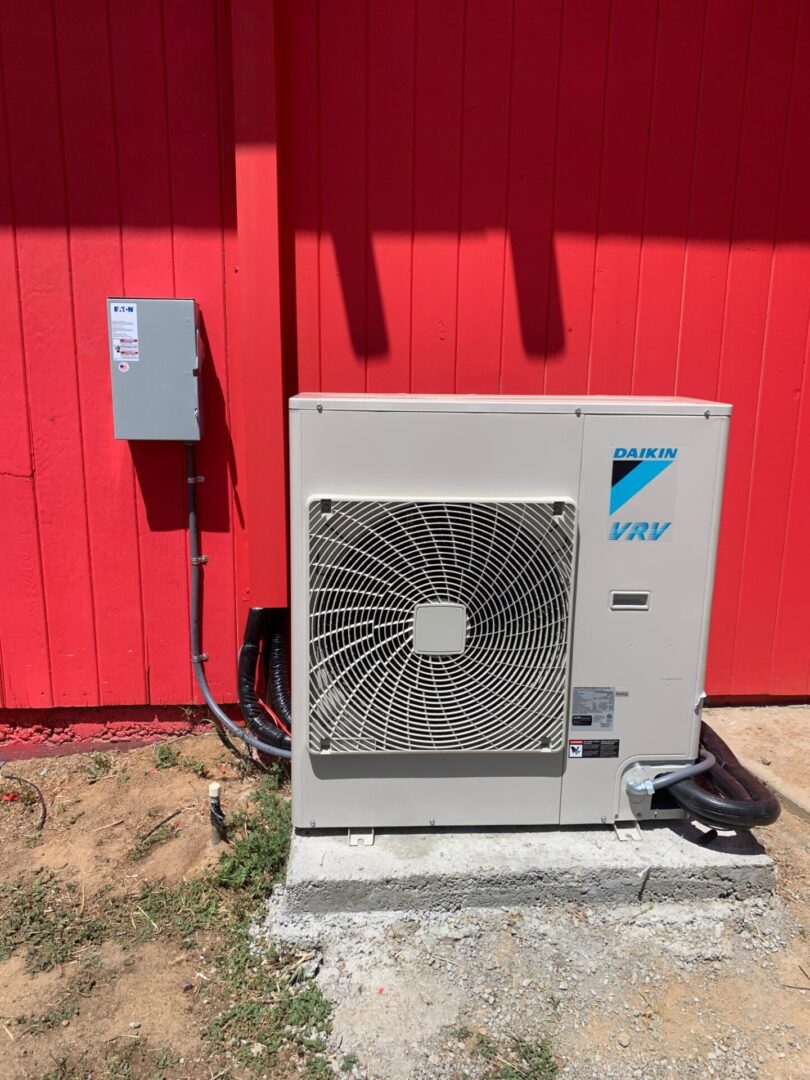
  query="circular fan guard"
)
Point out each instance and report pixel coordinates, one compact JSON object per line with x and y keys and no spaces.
{"x":372,"y":563}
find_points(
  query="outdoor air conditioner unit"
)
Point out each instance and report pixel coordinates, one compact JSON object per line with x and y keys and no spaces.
{"x":500,"y":605}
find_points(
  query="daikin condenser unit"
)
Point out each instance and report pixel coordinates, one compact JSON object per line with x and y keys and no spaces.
{"x":500,"y":605}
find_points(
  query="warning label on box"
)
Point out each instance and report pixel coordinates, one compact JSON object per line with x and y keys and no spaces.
{"x":124,"y":332}
{"x":593,"y":707}
{"x":589,"y":748}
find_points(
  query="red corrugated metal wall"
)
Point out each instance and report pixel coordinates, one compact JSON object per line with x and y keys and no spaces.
{"x":114,"y":179}
{"x":475,"y":196}
{"x":576,"y":196}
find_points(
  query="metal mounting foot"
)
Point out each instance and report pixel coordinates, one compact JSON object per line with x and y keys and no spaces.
{"x":627,"y":830}
{"x":361,"y":837}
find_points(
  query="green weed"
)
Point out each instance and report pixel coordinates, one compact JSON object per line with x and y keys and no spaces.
{"x":160,"y":836}
{"x":199,"y":768}
{"x":518,"y":1059}
{"x":260,"y":843}
{"x":98,"y":766}
{"x":166,"y":755}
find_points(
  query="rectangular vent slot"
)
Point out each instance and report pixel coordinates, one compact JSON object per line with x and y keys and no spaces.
{"x":630,"y":601}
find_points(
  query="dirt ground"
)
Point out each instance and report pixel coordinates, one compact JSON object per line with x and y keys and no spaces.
{"x":774,"y":743}
{"x":98,"y":807}
{"x":136,"y":1003}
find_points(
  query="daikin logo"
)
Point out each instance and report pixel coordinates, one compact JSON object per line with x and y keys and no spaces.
{"x":647,"y":453}
{"x":634,"y":467}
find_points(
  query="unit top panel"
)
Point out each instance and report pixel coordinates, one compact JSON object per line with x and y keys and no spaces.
{"x":586,"y":404}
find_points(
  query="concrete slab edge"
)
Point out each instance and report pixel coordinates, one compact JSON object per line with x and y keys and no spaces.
{"x":543,"y":887}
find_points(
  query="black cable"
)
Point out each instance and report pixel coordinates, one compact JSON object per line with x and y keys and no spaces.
{"x":43,"y":817}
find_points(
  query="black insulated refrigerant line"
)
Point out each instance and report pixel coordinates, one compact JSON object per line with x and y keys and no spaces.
{"x":279,"y":675}
{"x":222,"y":722}
{"x":257,"y":629}
{"x":726,"y":796}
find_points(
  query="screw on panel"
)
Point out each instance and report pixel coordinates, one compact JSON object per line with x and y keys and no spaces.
{"x":319,"y":408}
{"x":432,"y":821}
{"x":707,"y":414}
{"x":578,"y":412}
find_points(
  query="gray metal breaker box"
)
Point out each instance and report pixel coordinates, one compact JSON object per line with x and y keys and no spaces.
{"x":155,"y":356}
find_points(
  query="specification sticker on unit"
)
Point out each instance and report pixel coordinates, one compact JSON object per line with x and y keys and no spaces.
{"x":593,"y":708}
{"x":582,"y":748}
{"x":124,"y":332}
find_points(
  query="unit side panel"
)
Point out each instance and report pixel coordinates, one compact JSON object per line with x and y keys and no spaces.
{"x":648,"y":526}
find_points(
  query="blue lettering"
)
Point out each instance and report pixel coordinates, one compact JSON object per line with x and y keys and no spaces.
{"x":618,"y":530}
{"x":639,"y":531}
{"x":657,"y":529}
{"x":646,"y":453}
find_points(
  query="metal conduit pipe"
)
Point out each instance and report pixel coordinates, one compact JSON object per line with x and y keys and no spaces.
{"x":221,"y":720}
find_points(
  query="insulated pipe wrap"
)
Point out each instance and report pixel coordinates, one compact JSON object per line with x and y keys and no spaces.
{"x":739,"y":800}
{"x":255,"y":629}
{"x":279,"y":676}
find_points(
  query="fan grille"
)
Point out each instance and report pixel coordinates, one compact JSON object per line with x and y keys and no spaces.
{"x":373,"y":563}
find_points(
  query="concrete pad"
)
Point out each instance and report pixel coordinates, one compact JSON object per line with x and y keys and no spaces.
{"x":443,"y":871}
{"x":772,"y":742}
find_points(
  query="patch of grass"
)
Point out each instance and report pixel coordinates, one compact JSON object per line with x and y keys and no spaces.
{"x":46,"y":917}
{"x":166,"y":755}
{"x":183,"y":910}
{"x":165,"y":1059}
{"x":119,"y":1065}
{"x":291,"y":1015}
{"x":517,"y":1059}
{"x":260,"y":842}
{"x":199,"y":768}
{"x":269,"y":1000}
{"x":160,"y":836}
{"x":317,"y":1069}
{"x":348,"y":1063}
{"x":485,"y":1046}
{"x":461,"y":1034}
{"x":38,"y":1025}
{"x":65,"y":1069}
{"x":98,"y":766}
{"x":258,"y":995}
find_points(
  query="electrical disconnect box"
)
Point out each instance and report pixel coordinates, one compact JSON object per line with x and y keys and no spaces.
{"x":155,"y":357}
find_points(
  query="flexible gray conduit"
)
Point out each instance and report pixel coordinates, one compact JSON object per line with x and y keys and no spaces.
{"x":707,"y":761}
{"x":221,"y":719}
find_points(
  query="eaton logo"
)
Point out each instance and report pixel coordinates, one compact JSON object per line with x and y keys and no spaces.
{"x":123,"y":308}
{"x":638,"y":530}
